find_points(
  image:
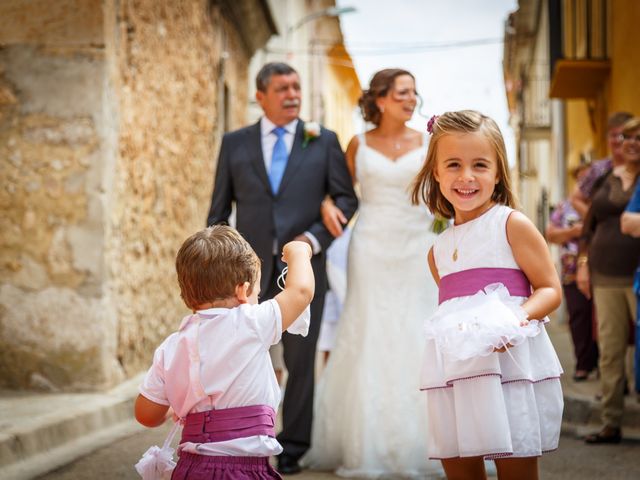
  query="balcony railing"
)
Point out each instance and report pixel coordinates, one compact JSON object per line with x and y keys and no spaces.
{"x":536,"y":110}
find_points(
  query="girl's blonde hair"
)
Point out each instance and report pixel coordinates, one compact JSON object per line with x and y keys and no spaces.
{"x":425,"y":187}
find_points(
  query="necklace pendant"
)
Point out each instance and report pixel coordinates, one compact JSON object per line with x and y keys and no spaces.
{"x":455,"y":255}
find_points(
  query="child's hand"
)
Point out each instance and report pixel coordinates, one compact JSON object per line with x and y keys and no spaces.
{"x":172,"y":415}
{"x":502,"y":349}
{"x":295,"y":247}
{"x":523,"y":323}
{"x":504,"y":345}
{"x":298,"y":292}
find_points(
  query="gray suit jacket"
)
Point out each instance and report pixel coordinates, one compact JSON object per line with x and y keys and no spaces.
{"x":312,"y":172}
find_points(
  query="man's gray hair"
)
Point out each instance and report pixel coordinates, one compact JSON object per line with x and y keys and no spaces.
{"x":269,"y":70}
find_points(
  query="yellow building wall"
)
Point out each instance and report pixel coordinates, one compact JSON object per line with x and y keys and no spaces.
{"x":580,"y":135}
{"x":624,"y":37}
{"x":586,"y":120}
{"x":340,"y":94}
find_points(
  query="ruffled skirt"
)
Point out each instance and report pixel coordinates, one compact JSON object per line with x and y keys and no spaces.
{"x":497,"y":405}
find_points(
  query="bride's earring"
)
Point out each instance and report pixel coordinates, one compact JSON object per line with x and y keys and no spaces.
{"x":381,"y":109}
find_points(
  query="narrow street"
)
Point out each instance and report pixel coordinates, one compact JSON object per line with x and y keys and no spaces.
{"x":427,"y":130}
{"x":574,"y":460}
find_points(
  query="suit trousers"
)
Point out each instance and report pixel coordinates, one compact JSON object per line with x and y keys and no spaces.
{"x":614,"y":306}
{"x":299,"y":359}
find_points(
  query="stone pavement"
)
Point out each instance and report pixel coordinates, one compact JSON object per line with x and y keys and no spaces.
{"x":42,"y":432}
{"x":574,"y":460}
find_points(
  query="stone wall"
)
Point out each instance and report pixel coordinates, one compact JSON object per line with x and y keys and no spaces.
{"x":110,"y":118}
{"x":170,"y":64}
{"x":56,"y":330}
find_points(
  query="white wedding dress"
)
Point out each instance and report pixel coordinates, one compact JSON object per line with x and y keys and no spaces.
{"x":369,"y":413}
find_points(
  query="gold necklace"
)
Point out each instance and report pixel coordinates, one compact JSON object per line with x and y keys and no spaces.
{"x":454,"y":256}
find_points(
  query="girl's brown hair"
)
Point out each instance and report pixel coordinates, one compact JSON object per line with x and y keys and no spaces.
{"x":212,"y":263}
{"x":425,"y":187}
{"x":379,"y":86}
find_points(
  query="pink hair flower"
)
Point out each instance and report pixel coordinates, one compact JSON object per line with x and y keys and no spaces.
{"x":430,"y":123}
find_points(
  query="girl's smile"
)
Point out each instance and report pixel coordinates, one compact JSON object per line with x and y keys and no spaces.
{"x":465,"y":192}
{"x":467,"y":172}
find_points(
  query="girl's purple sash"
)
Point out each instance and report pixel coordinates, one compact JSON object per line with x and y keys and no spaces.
{"x":470,"y":282}
{"x":229,"y":424}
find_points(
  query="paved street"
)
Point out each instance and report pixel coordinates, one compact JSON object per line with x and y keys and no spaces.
{"x":574,"y":460}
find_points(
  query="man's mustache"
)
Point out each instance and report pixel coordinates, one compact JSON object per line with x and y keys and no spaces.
{"x":291,"y":103}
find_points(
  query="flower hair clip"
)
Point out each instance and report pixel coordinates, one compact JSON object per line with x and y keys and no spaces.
{"x":430,"y":124}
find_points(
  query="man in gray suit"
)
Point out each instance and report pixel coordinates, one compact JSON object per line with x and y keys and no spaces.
{"x":278,"y":177}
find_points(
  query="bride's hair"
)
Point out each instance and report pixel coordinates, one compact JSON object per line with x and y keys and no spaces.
{"x":379,"y":86}
{"x":425,"y":187}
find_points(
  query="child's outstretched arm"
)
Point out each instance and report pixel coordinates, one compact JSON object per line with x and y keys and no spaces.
{"x":150,"y":414}
{"x":300,"y":284}
{"x":532,"y":256}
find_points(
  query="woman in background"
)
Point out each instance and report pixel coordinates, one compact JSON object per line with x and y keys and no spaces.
{"x":565,"y":228}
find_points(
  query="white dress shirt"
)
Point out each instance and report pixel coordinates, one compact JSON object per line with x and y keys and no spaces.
{"x":235,"y":372}
{"x":268,"y":139}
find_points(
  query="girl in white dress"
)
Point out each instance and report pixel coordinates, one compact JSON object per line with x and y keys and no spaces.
{"x":369,"y":415}
{"x":490,"y":373}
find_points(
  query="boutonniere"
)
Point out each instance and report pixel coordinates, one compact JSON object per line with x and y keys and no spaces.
{"x":311,"y":132}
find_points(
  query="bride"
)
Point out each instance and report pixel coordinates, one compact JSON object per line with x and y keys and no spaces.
{"x":369,"y":415}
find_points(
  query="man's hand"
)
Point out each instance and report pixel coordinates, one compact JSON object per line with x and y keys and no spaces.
{"x":332,"y":217}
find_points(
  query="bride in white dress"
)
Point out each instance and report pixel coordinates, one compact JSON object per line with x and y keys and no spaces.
{"x":369,"y":414}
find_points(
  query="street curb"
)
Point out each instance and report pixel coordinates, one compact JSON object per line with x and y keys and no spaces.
{"x":582,"y":415}
{"x":38,"y":445}
{"x":42,"y":463}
